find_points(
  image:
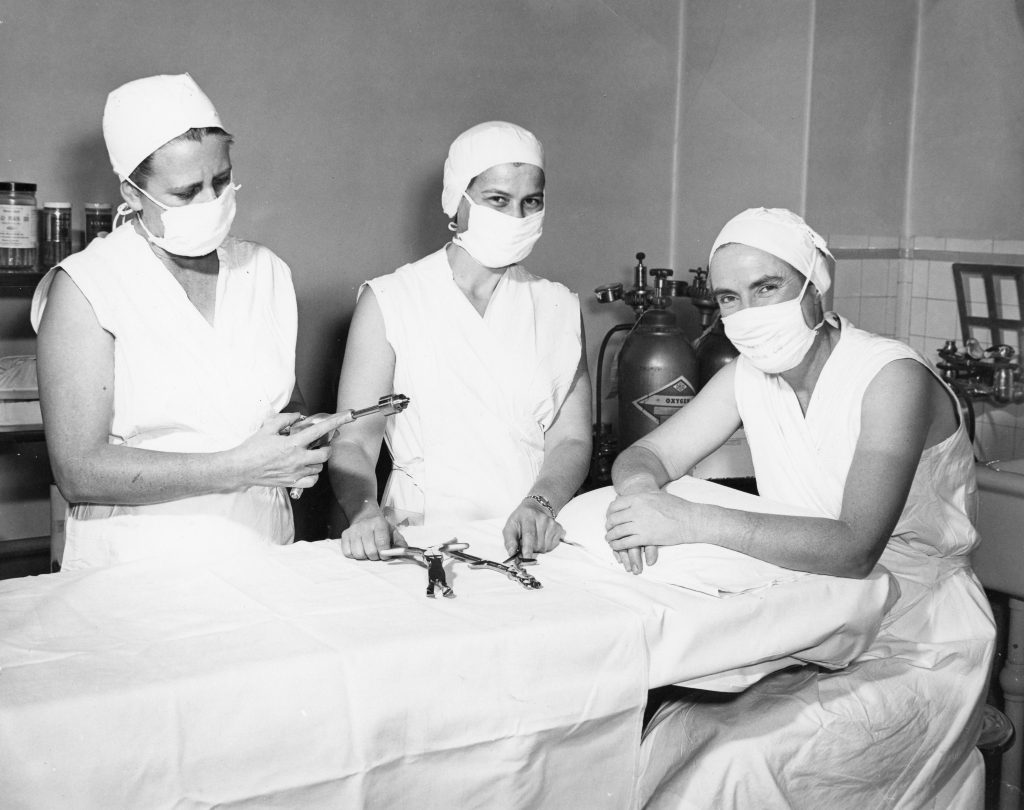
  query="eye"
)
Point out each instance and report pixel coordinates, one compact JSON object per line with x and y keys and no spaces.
{"x":534,"y":203}
{"x":768,"y":289}
{"x":725,"y":300}
{"x":221,"y":182}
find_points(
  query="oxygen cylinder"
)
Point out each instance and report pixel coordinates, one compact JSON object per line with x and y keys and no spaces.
{"x":714,"y":351}
{"x":657,"y":375}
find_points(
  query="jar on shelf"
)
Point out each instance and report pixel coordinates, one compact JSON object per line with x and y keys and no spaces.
{"x":19,"y":230}
{"x":56,"y":233}
{"x":99,"y":220}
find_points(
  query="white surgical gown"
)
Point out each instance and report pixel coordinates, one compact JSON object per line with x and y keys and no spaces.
{"x":900,"y":723}
{"x":483,"y":389}
{"x":182,"y":384}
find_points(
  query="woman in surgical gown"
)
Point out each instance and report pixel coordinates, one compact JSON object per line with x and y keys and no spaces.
{"x":167,"y":352}
{"x":491,"y":356}
{"x":860,"y":430}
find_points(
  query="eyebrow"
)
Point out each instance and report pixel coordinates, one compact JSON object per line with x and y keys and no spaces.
{"x":753,"y":285}
{"x":504,"y":193}
{"x":224,"y":175}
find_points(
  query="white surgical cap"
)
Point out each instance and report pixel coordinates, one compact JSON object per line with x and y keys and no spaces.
{"x":143,"y":115}
{"x":481,"y":147}
{"x":786,"y":236}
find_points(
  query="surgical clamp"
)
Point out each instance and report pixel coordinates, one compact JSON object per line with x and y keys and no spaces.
{"x":513,"y":571}
{"x":391,"y":404}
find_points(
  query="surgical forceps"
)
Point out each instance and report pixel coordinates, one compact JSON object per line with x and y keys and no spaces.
{"x":393,"y":403}
{"x":512,"y":567}
{"x":429,"y":558}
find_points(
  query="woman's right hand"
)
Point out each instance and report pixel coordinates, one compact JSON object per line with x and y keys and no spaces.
{"x":367,"y":536}
{"x":268,"y":459}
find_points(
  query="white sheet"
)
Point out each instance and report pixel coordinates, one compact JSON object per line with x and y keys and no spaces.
{"x":297,"y":678}
{"x":293,"y":677}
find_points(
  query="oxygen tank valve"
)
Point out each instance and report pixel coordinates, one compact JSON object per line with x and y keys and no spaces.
{"x":640,"y":272}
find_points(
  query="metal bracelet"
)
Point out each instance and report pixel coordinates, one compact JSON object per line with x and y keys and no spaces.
{"x":543,"y":502}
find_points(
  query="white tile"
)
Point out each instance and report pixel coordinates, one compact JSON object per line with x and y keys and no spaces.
{"x":875,"y":277}
{"x":918,"y":316}
{"x":929,"y":243}
{"x":917,"y":343}
{"x":848,"y":277}
{"x":940,"y":281}
{"x":872,"y":315}
{"x":941,"y":323}
{"x":890,"y":318}
{"x":920,"y":276}
{"x":969,"y":245}
{"x":848,"y":307}
{"x":1012,"y":247}
{"x":895,"y":272}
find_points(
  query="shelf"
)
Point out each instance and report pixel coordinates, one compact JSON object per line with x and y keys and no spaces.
{"x":19,"y":283}
{"x":21,"y":433}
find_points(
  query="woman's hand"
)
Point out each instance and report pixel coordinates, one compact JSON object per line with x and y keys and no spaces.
{"x":367,"y":536}
{"x":632,"y":559}
{"x":268,"y":459}
{"x":530,"y":530}
{"x":645,"y":521}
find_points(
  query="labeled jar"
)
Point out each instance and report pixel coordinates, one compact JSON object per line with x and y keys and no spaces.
{"x":56,"y":233}
{"x":99,"y":220}
{"x":19,"y":229}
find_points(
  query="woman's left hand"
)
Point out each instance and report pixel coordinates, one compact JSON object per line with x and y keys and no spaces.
{"x":531,"y":530}
{"x":648,"y":520}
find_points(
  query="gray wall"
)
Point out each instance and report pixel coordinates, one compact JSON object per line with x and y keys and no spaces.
{"x":661,"y":118}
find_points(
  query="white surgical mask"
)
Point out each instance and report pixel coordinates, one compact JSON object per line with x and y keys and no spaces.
{"x":497,"y":240}
{"x":195,"y":229}
{"x":775,"y":337}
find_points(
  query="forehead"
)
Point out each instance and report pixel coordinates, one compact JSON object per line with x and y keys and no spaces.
{"x":735,"y":266}
{"x":522,"y":178}
{"x":185,"y":160}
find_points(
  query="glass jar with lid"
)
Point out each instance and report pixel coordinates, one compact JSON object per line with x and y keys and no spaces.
{"x":19,"y":235}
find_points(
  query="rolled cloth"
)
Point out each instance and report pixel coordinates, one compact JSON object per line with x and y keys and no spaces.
{"x":143,"y":115}
{"x":481,"y":147}
{"x":786,"y":236}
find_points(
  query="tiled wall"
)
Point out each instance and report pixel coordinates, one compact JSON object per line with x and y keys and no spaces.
{"x":903,"y":288}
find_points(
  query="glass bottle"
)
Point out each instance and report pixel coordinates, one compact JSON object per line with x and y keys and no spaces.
{"x":19,"y":234}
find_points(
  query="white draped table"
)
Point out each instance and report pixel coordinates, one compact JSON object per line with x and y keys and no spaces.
{"x":294,"y":677}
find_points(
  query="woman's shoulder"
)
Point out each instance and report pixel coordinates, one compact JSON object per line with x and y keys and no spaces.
{"x":874,"y":348}
{"x":554,"y":289}
{"x":423,"y":272}
{"x":242,"y":251}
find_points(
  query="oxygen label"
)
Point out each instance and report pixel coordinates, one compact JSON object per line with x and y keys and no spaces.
{"x":661,"y":404}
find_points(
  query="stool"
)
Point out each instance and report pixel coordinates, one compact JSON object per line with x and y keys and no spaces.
{"x":996,"y":736}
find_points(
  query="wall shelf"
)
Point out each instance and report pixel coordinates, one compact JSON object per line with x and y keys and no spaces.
{"x":19,"y":283}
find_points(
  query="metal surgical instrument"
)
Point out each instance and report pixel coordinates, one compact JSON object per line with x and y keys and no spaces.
{"x":391,"y":404}
{"x":514,"y":570}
